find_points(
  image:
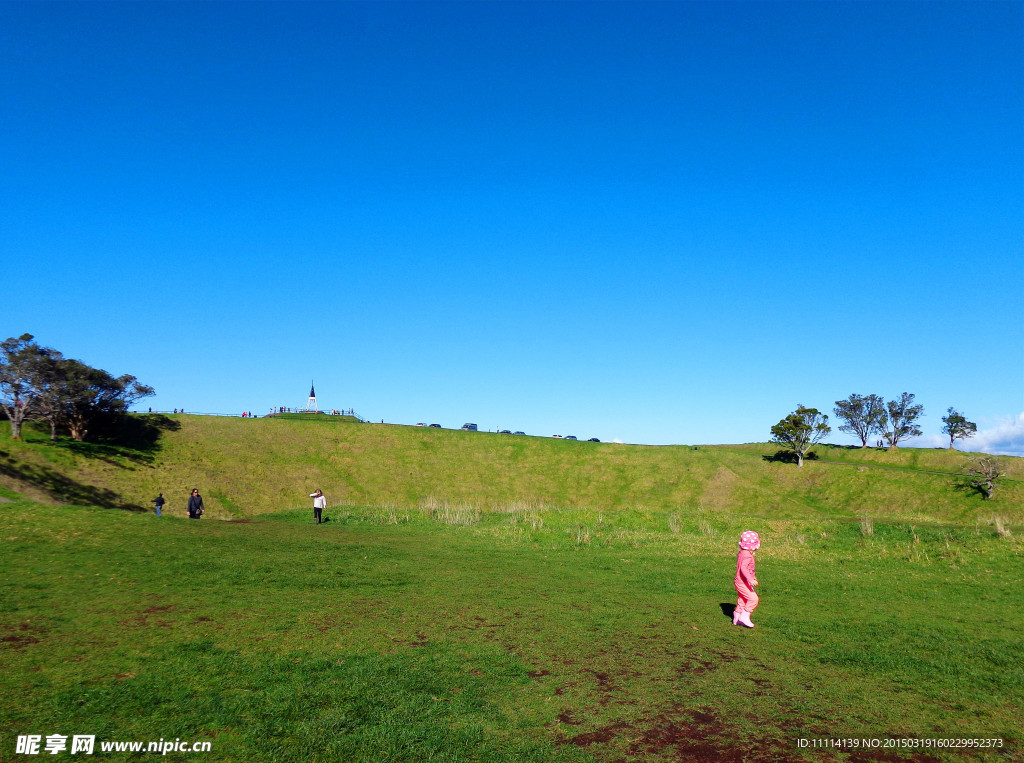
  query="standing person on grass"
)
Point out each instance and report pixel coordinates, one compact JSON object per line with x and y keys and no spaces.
{"x":159,"y":503}
{"x":195,"y":504}
{"x":745,"y":579}
{"x":319,"y":504}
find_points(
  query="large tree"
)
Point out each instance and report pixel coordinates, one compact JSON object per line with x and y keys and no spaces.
{"x":24,"y":367}
{"x":863,"y":415}
{"x":79,"y":396}
{"x":49,"y":400}
{"x":901,"y":418}
{"x":800,"y":430}
{"x":39,"y":383}
{"x":957,"y":426}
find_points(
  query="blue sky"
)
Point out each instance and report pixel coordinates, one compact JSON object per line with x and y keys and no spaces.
{"x":659,"y":223}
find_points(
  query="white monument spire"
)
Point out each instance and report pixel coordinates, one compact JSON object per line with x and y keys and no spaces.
{"x":311,"y":403}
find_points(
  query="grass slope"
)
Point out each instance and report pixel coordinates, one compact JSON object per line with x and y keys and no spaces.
{"x":481,"y":597}
{"x":524,"y":635}
{"x":247,"y":467}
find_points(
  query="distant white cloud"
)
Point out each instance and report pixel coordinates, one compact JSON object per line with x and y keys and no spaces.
{"x":932,"y":441}
{"x":1004,"y":438}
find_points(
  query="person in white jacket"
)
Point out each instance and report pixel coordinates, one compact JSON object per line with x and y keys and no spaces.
{"x":319,"y":504}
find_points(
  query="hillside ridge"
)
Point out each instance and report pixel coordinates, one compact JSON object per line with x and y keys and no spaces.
{"x":245,"y":467}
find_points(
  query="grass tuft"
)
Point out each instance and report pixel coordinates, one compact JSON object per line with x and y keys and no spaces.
{"x":1002,"y":529}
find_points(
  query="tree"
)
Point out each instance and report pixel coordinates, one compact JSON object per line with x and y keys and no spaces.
{"x":957,"y":427}
{"x":40,"y":383}
{"x":49,"y":401}
{"x":23,"y":368}
{"x":982,"y":475}
{"x":80,"y":396}
{"x":800,"y":430}
{"x":863,"y":415}
{"x":900,"y":419}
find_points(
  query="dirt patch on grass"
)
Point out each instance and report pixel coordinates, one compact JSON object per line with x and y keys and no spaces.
{"x":21,"y":635}
{"x":696,"y":667}
{"x":603,"y":679}
{"x":18,"y":640}
{"x":889,"y":757}
{"x":142,"y":620}
{"x":599,"y":736}
{"x":698,"y":735}
{"x":685,"y":735}
{"x":568,"y":718}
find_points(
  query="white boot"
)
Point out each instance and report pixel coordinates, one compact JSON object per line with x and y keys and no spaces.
{"x":744,"y":619}
{"x":736,"y":615}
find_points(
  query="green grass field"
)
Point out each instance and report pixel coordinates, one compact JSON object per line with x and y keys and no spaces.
{"x":574,"y":611}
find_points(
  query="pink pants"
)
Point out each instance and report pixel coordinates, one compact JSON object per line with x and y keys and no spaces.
{"x":747,"y":600}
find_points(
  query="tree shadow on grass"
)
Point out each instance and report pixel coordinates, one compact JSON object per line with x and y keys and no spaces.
{"x":788,"y":457}
{"x":115,"y":439}
{"x":964,"y":484}
{"x":63,"y":488}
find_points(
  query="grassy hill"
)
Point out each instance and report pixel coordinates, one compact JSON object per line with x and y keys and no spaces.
{"x":247,"y":467}
{"x":510,"y":639}
{"x":483,"y":597}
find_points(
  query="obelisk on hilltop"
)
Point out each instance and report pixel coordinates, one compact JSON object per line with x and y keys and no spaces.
{"x":311,"y":403}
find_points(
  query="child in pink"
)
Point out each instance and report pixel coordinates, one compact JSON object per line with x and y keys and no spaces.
{"x":746,"y":579}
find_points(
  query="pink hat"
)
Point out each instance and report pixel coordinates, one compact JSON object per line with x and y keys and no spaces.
{"x":750,"y":541}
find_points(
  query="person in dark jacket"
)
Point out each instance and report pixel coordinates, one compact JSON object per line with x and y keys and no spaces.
{"x":159,"y":503}
{"x":195,"y":504}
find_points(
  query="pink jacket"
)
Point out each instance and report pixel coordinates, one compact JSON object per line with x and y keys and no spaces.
{"x":745,"y":569}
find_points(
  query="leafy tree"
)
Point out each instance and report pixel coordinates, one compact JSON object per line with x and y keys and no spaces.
{"x":863,"y":415}
{"x":957,"y":427}
{"x":39,"y":383}
{"x":900,"y":420}
{"x":800,"y":430}
{"x":982,"y":474}
{"x":48,"y":401}
{"x":23,"y":368}
{"x":80,"y":396}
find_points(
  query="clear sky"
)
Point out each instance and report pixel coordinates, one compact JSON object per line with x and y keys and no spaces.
{"x":653,"y":222}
